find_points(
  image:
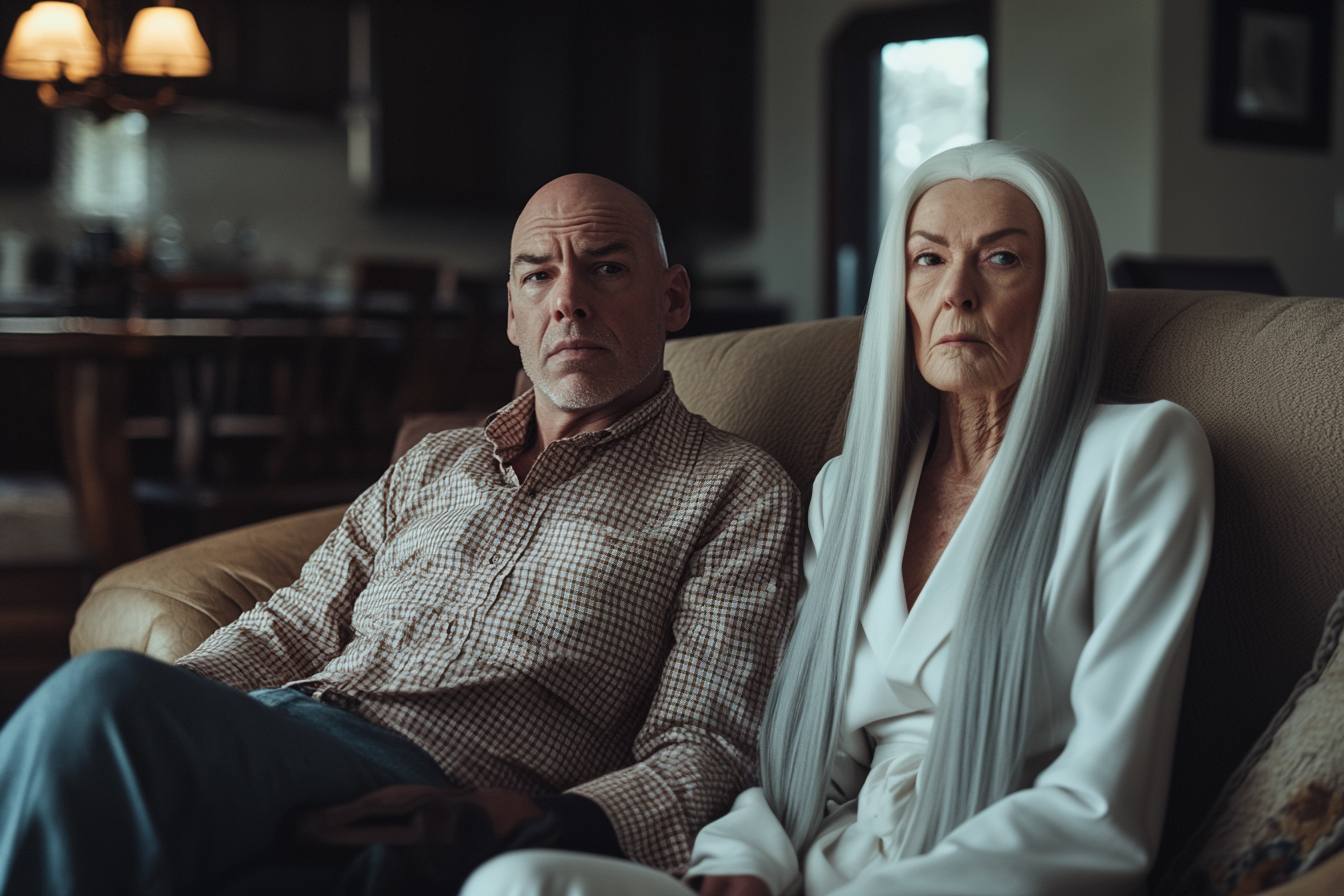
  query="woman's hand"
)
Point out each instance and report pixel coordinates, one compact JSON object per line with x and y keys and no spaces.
{"x":732,"y":885}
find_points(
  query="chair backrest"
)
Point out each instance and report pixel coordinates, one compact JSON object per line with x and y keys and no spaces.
{"x":1262,"y":375}
{"x":1258,"y":275}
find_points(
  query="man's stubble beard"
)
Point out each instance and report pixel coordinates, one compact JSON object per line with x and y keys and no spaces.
{"x":579,"y":393}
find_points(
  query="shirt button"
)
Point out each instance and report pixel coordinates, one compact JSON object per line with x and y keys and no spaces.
{"x":494,"y":558}
{"x":770,"y":587}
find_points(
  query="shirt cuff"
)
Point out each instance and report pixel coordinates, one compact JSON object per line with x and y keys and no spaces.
{"x":585,"y":827}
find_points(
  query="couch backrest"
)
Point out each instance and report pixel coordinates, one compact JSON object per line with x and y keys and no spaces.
{"x":785,"y":388}
{"x":1262,"y":375}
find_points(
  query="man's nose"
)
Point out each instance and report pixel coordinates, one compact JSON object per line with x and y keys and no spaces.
{"x":569,"y":299}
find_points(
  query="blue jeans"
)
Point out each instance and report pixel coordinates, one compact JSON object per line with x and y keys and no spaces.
{"x":121,"y":774}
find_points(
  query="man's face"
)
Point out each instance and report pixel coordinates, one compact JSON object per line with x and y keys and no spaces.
{"x":590,"y":298}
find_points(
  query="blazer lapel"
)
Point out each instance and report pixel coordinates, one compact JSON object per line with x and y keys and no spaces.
{"x":908,"y":657}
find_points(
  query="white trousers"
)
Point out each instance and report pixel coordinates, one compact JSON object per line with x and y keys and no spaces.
{"x":553,"y":872}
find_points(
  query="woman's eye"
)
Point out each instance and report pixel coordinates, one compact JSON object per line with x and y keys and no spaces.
{"x":927,"y":258}
{"x":1003,"y":259}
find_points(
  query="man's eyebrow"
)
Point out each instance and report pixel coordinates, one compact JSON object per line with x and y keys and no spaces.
{"x":593,"y":252}
{"x":608,"y":249}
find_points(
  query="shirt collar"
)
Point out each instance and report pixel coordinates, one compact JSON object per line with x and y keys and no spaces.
{"x":513,"y":427}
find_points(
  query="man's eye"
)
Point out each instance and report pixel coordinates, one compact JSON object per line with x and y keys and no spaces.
{"x":535,"y":276}
{"x":609,"y":268}
{"x":1003,"y":259}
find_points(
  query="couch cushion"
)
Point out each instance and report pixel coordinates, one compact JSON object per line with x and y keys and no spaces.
{"x":1282,"y":812}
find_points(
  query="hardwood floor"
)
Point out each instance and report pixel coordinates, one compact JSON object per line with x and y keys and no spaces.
{"x":37,"y":608}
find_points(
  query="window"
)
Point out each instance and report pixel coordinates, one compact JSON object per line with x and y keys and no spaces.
{"x":931,"y":97}
{"x":905,"y":84}
{"x":103,"y":167}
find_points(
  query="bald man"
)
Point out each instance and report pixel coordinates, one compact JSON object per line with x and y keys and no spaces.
{"x":557,"y":630}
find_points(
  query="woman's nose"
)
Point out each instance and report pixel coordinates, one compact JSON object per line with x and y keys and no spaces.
{"x":960,"y":289}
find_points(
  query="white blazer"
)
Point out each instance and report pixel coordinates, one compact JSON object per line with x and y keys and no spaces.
{"x":1120,"y":600}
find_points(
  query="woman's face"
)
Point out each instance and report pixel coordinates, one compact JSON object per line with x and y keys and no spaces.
{"x":975,"y":271}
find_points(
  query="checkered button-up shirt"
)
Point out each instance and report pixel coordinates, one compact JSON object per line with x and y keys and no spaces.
{"x":607,"y":627}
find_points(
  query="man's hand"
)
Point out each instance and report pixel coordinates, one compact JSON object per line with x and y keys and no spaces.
{"x":732,"y":885}
{"x":442,"y":834}
{"x":415,"y":815}
{"x":507,"y":808}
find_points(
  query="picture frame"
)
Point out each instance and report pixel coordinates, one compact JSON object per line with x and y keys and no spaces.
{"x":1271,"y":67}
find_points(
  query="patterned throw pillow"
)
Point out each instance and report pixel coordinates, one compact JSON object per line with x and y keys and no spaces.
{"x":1282,"y":811}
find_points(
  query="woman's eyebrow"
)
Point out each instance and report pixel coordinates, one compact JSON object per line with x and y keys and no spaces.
{"x":1000,"y":234}
{"x":931,"y":237}
{"x":987,"y":238}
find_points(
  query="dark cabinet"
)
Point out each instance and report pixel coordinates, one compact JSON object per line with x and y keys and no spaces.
{"x":482,"y":101}
{"x":280,"y":54}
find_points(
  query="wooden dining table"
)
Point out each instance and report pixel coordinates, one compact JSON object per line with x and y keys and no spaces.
{"x":93,"y":354}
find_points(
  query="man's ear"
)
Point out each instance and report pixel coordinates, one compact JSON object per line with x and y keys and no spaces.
{"x":677,"y":295}
{"x":511,"y":329}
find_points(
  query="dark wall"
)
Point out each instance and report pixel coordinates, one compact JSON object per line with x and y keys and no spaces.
{"x":26,"y":127}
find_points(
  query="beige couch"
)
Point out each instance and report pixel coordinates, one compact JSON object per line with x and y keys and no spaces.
{"x":1265,"y":377}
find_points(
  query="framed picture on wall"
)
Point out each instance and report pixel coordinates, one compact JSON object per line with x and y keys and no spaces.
{"x":1271,"y":72}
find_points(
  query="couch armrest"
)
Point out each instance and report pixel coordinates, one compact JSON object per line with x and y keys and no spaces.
{"x":165,"y":604}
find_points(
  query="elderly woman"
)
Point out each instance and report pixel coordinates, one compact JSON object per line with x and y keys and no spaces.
{"x":981,"y":690}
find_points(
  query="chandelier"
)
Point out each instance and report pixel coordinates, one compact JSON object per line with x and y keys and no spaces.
{"x":54,"y":43}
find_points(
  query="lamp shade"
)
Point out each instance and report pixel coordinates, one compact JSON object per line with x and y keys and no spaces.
{"x":51,"y":38}
{"x":165,"y":42}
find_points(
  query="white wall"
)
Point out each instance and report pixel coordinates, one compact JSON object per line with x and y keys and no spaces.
{"x":786,"y":250}
{"x":286,"y":177}
{"x":1079,"y":80}
{"x":1075,"y":78}
{"x":1224,"y":199}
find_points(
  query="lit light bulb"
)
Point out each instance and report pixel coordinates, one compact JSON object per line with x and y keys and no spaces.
{"x":51,"y":39}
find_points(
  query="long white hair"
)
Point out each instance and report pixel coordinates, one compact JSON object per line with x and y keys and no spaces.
{"x":978,"y":744}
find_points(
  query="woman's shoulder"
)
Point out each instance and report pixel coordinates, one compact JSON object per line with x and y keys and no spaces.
{"x":1112,"y":424}
{"x":1151,"y":436}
